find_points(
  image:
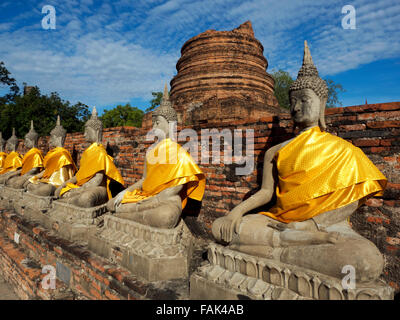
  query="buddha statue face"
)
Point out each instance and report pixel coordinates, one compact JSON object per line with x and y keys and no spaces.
{"x":29,"y":143}
{"x":92,"y":135}
{"x":11,"y":146}
{"x":305,"y":107}
{"x":160,"y":123}
{"x":55,"y":141}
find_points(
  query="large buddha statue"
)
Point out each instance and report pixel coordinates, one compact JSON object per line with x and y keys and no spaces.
{"x":13,"y":160}
{"x":32,"y":162}
{"x":58,"y":165}
{"x":90,"y":186}
{"x":170,"y":176}
{"x":3,"y":155}
{"x":317,"y":180}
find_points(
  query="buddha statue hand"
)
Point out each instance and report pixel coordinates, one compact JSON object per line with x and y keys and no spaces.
{"x":228,"y":225}
{"x":58,"y":190}
{"x":113,"y":203}
{"x":306,"y":225}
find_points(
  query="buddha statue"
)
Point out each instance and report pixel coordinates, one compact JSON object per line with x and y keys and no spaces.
{"x":157,"y":199}
{"x":90,"y":186}
{"x":318,"y":181}
{"x":13,"y":161}
{"x":58,"y":165}
{"x":3,"y":155}
{"x":32,"y":162}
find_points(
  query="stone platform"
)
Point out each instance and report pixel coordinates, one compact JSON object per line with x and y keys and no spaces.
{"x":71,"y":222}
{"x":33,"y":207}
{"x":234,"y":275}
{"x":10,"y":196}
{"x":152,"y":253}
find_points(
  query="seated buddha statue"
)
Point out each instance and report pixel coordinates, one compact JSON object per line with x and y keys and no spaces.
{"x":90,"y":186}
{"x":3,"y":155}
{"x":312,"y":184}
{"x":58,"y":165}
{"x":13,"y":161}
{"x":32,"y":162}
{"x":170,"y":177}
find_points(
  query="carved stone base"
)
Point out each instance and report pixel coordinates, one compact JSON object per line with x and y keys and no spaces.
{"x":235,"y":275}
{"x":72,"y":222}
{"x":9,"y":197}
{"x":34,"y":207}
{"x":152,"y":253}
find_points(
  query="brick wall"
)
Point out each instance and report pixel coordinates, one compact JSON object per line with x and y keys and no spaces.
{"x":375,"y":128}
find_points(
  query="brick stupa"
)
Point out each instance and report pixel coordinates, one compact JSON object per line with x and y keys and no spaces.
{"x":222,"y":76}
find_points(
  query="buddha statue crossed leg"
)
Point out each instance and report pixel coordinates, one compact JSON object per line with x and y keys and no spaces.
{"x":319,"y":180}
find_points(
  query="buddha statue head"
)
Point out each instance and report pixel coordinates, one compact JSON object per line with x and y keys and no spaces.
{"x":165,"y":117}
{"x":12,"y":142}
{"x":31,"y":138}
{"x":94,"y":128}
{"x":308,"y":95}
{"x":2,"y":142}
{"x":57,"y":135}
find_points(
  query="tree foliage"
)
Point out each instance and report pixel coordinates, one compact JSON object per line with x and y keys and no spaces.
{"x":156,"y":101}
{"x":122,"y":116}
{"x":283,"y":80}
{"x":16,"y":110}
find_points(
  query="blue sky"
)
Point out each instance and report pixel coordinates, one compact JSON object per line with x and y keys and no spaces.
{"x":105,"y":53}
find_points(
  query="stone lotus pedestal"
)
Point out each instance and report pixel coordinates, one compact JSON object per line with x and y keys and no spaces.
{"x":151,"y":253}
{"x":71,"y":222}
{"x":10,"y":198}
{"x":234,"y":275}
{"x":34,"y":207}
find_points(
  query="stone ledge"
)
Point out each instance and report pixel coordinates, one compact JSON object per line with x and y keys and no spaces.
{"x":236,"y":274}
{"x":92,"y":277}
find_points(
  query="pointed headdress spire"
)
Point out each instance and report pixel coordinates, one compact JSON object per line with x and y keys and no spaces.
{"x":58,"y":130}
{"x":165,"y":109}
{"x":94,"y":122}
{"x":32,"y":134}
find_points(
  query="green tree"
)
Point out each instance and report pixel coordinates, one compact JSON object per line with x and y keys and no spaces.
{"x":156,"y":101}
{"x":43,"y":110}
{"x":7,"y":81}
{"x":122,"y":116}
{"x":283,"y":80}
{"x":333,"y":89}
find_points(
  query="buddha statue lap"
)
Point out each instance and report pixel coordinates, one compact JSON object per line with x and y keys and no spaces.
{"x":319,"y":180}
{"x":32,"y":162}
{"x":58,"y":166}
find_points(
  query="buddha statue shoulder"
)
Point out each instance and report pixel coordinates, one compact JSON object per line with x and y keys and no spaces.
{"x":32,"y":162}
{"x":58,"y":164}
{"x":90,"y":186}
{"x":170,"y":177}
{"x":318,"y":181}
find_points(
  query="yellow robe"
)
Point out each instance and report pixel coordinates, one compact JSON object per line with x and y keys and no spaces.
{"x":32,"y":159}
{"x":3,"y":157}
{"x":169,"y":165}
{"x":59,"y":167}
{"x":12,"y":163}
{"x":94,"y":160}
{"x":319,"y":172}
